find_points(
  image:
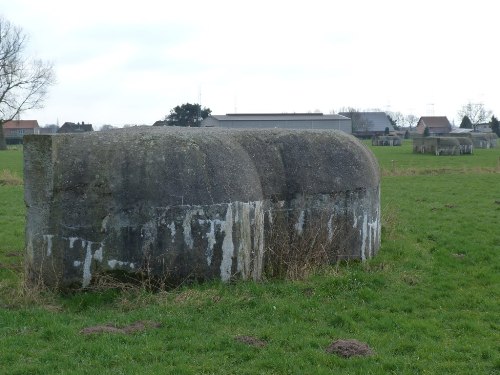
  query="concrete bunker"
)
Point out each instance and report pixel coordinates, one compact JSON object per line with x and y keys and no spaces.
{"x":443,"y":145}
{"x":386,"y":140}
{"x":195,"y":203}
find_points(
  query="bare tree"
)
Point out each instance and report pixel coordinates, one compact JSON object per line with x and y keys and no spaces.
{"x":475,"y":112}
{"x":359,"y":123}
{"x":397,"y":117}
{"x":411,"y":120}
{"x":23,"y":81}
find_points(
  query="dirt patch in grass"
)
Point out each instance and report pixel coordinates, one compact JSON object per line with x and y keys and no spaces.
{"x":349,"y":348}
{"x":251,"y":341}
{"x":138,"y":326}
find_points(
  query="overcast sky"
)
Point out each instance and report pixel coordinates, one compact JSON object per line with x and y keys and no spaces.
{"x":130,"y":62}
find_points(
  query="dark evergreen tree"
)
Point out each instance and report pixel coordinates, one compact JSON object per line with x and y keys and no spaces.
{"x":427,"y":132}
{"x":386,"y":130}
{"x":495,"y":125}
{"x":466,"y":123}
{"x":393,"y":122}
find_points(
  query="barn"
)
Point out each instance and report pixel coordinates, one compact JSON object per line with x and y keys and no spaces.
{"x":279,"y":121}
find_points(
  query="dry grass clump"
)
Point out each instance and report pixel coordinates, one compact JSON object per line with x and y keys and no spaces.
{"x":9,"y":178}
{"x":296,"y":256}
{"x":24,"y":293}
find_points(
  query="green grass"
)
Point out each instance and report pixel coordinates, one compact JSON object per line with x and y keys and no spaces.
{"x":401,"y":160}
{"x":428,"y":303}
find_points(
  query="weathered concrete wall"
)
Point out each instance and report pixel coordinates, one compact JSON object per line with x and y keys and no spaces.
{"x":194,"y":203}
{"x":479,"y":140}
{"x":385,"y":140}
{"x":443,"y":145}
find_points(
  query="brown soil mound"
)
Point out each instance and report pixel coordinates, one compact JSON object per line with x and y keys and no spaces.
{"x":349,"y":348}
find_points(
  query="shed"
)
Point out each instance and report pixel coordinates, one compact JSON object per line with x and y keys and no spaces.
{"x":279,"y":121}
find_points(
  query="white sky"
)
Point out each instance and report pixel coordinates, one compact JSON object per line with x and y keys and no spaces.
{"x":130,"y":62}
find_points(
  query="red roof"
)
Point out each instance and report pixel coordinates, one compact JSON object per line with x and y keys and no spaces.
{"x":435,"y":121}
{"x":21,"y":124}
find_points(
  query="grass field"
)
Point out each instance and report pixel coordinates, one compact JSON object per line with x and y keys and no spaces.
{"x":428,"y":303}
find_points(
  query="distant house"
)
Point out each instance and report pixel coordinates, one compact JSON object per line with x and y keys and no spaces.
{"x":368,"y":124}
{"x":279,"y":120}
{"x":71,"y":127}
{"x":14,"y":130}
{"x":483,"y":128}
{"x":437,"y":125}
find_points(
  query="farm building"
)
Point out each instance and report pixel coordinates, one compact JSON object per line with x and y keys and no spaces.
{"x":368,"y":124}
{"x":437,"y":125}
{"x":279,"y":120}
{"x":71,"y":127}
{"x":14,"y":130}
{"x":386,"y":140}
{"x":443,"y":145}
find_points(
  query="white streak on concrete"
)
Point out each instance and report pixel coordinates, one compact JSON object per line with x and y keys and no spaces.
{"x":112,"y":263}
{"x":330,"y":228}
{"x":149,"y":233}
{"x":227,"y":246}
{"x":236,"y":213}
{"x":299,"y":226}
{"x":171,"y":226}
{"x":99,"y":252}
{"x":258,"y":240}
{"x":245,"y":240}
{"x":87,"y":276}
{"x":186,"y":226}
{"x":210,"y":242}
{"x":48,"y":239}
{"x":374,"y":236}
{"x":364,"y":233}
{"x":72,"y":241}
{"x":104,"y":224}
{"x":270,"y":217}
